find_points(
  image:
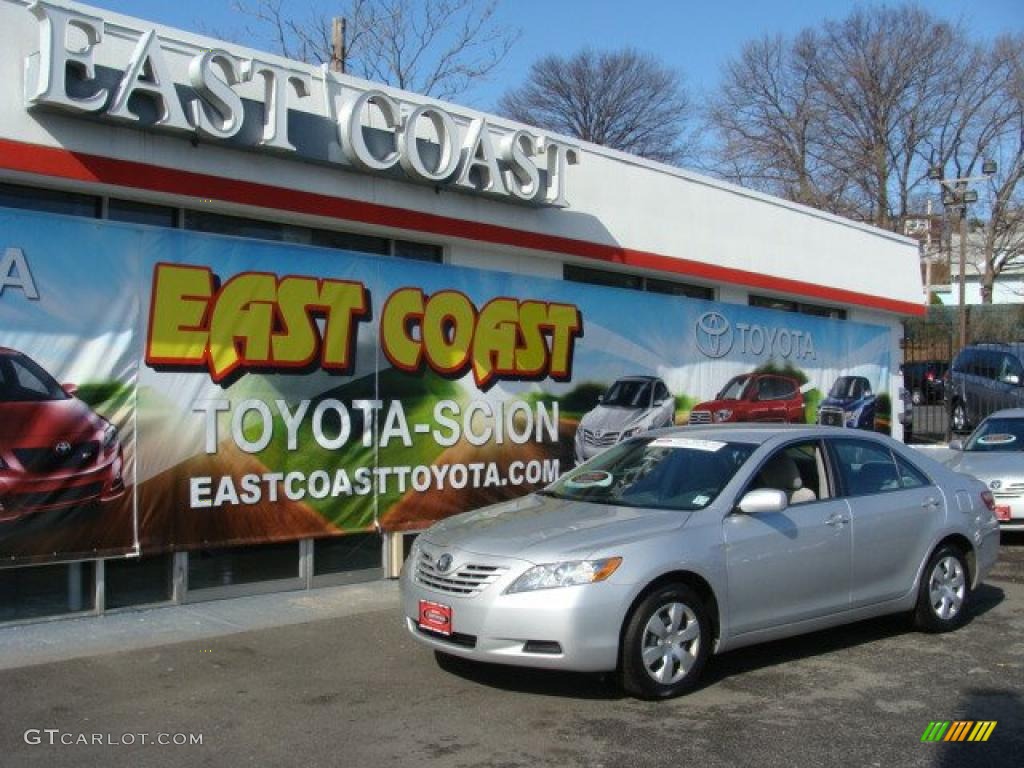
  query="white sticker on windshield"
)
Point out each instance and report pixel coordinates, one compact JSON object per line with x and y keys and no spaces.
{"x":687,"y":442}
{"x":701,"y":500}
{"x":593,"y":478}
{"x":997,"y":438}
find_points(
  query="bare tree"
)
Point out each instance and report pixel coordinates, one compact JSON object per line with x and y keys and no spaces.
{"x":849,"y":116}
{"x":621,"y":99}
{"x":772,"y":132}
{"x":435,"y":47}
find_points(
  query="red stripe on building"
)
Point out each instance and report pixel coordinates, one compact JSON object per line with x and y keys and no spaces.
{"x":64,"y":164}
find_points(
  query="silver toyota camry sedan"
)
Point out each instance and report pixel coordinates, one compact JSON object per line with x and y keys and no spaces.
{"x":686,"y":542}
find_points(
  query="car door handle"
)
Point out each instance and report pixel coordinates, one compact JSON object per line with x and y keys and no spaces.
{"x":837,"y":519}
{"x":930,"y":503}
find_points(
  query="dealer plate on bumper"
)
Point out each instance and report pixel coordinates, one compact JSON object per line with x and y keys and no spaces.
{"x":435,"y":617}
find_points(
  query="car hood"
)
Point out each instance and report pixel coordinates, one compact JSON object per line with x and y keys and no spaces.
{"x":27,"y":423}
{"x":989,"y":465}
{"x":544,"y":529}
{"x":613,"y":419}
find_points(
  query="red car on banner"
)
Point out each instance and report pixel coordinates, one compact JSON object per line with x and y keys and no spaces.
{"x":753,"y":397}
{"x":55,"y":452}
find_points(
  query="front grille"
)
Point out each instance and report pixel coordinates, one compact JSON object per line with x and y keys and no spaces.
{"x":49,"y":459}
{"x":830,"y":417}
{"x":60,"y":497}
{"x":700,"y":417}
{"x":1009,"y":492}
{"x":467,"y":580}
{"x":600,"y":439}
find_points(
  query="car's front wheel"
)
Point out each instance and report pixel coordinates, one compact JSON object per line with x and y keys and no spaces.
{"x":958,"y":417}
{"x":945,"y":592}
{"x":666,"y":643}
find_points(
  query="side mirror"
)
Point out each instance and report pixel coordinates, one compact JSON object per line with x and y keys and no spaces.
{"x":763,"y":500}
{"x":956,"y":445}
{"x":71,"y":390}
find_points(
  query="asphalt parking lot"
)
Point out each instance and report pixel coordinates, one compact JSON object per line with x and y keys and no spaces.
{"x":356,"y":691}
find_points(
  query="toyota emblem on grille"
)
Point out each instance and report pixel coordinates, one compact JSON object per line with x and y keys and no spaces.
{"x":995,"y":485}
{"x":63,"y":448}
{"x":444,"y":562}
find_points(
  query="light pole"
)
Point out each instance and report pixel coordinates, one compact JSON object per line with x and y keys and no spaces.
{"x":956,"y":194}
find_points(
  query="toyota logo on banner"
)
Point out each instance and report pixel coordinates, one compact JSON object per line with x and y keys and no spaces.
{"x":714,"y":334}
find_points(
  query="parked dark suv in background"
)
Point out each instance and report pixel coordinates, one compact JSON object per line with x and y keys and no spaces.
{"x":925,"y":381}
{"x":984,"y":378}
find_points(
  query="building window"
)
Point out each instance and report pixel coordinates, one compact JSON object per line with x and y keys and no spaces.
{"x":46,"y":590}
{"x":133,"y":212}
{"x":49,"y":201}
{"x":138,"y":580}
{"x":343,"y":554}
{"x":631,"y":282}
{"x":405,"y":249}
{"x":672,"y":288}
{"x":209,"y":568}
{"x":788,"y":305}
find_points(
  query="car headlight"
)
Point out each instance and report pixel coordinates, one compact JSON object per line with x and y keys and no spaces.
{"x":723,"y":415}
{"x":851,"y":415}
{"x":630,"y":432}
{"x":109,"y":436}
{"x":566,"y":574}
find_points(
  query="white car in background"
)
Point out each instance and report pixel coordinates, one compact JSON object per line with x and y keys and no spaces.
{"x":994,"y":453}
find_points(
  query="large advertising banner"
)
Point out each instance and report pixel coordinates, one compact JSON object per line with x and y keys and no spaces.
{"x":232,"y":391}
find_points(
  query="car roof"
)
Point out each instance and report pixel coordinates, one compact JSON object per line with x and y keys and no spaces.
{"x":761,"y":433}
{"x":9,"y":352}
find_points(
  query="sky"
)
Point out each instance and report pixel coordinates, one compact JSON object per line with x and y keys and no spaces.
{"x":694,"y":37}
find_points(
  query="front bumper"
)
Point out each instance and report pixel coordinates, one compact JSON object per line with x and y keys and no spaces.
{"x":23,"y":494}
{"x":577,"y":627}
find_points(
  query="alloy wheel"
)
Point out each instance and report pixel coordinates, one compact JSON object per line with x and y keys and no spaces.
{"x":947,"y":587}
{"x":671,"y":643}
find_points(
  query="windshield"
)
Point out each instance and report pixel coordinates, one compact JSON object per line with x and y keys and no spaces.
{"x":999,"y":434}
{"x":662,"y":473}
{"x":628,"y":394}
{"x":845,"y":386}
{"x":734,"y":389}
{"x":23,"y":381}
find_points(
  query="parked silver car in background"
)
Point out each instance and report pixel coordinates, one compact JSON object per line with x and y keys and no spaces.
{"x":686,"y":542}
{"x":994,"y":453}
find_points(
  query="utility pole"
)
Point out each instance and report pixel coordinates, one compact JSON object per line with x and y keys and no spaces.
{"x":338,"y":52}
{"x":956,"y":194}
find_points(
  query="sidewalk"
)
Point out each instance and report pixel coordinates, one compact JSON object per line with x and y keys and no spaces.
{"x":58,"y":640}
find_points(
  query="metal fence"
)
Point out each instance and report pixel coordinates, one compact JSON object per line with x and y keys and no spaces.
{"x":929,"y":346}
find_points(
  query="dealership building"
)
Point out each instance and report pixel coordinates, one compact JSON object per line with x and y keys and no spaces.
{"x":201,"y":237}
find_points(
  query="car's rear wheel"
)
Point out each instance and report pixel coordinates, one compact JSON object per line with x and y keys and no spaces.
{"x":945,"y":592}
{"x":666,"y":643}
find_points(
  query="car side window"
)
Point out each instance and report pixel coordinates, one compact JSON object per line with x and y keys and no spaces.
{"x":661,"y":392}
{"x":866,"y":467}
{"x":911,"y":476}
{"x":1009,"y":368}
{"x":27,"y":380}
{"x":798,"y":470}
